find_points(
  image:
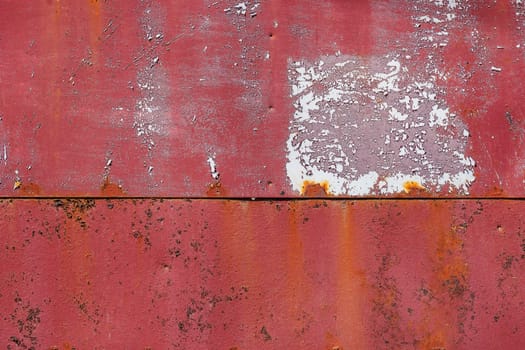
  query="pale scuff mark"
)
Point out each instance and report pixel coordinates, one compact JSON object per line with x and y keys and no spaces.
{"x":151,"y":117}
{"x":4,"y":155}
{"x":450,"y":4}
{"x":372,"y":127}
{"x":151,"y":110}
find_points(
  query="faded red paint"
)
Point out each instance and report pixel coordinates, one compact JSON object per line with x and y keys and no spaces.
{"x":222,"y":274}
{"x":70,"y":88}
{"x":105,"y":102}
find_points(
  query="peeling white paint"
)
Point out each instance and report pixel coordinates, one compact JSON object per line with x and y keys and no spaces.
{"x":244,"y":7}
{"x":438,"y":116}
{"x":452,"y":4}
{"x":240,"y":8}
{"x":213,"y":168}
{"x":367,"y":127}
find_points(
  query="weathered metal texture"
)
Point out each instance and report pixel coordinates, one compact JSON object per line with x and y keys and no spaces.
{"x":267,"y":99}
{"x":215,"y":274}
{"x":170,"y":98}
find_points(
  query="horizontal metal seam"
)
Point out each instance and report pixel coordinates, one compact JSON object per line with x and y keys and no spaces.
{"x":267,"y":199}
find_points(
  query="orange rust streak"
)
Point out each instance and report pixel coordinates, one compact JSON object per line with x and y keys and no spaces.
{"x":450,"y":280}
{"x":295,"y":269}
{"x":350,"y":284}
{"x":332,"y":342}
{"x":238,"y":249}
{"x":65,"y":346}
{"x":315,"y":189}
{"x":57,"y":8}
{"x":95,"y":28}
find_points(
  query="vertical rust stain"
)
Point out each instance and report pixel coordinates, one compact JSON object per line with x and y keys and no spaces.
{"x":237,"y":253}
{"x":57,"y":9}
{"x":76,"y":257}
{"x":350,"y":283}
{"x":95,"y":28}
{"x":295,"y":260}
{"x":447,"y":294}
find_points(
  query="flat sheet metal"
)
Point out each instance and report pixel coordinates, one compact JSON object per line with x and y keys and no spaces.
{"x":105,"y":102}
{"x":216,"y":274}
{"x":262,"y":98}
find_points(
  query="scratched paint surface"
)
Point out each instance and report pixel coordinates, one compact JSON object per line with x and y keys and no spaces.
{"x":255,"y":98}
{"x":262,"y":99}
{"x":215,"y":274}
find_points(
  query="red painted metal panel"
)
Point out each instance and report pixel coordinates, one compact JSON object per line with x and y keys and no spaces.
{"x":215,"y":274}
{"x":168,"y":98}
{"x":174,"y":99}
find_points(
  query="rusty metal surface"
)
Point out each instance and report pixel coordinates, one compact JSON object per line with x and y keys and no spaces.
{"x":215,"y":274}
{"x":258,"y":98}
{"x":276,"y":100}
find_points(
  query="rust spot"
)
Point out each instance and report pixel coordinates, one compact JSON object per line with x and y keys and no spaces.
{"x":433,"y":342}
{"x":216,"y":190}
{"x":496,"y":192}
{"x":65,"y":346}
{"x":315,"y":189}
{"x":331,"y":340}
{"x":410,"y":186}
{"x":30,"y":189}
{"x":110,"y":189}
{"x":453,"y":270}
{"x":17,"y":185}
{"x":449,"y":308}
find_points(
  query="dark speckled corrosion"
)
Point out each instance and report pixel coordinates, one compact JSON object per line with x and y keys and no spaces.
{"x":316,"y":274}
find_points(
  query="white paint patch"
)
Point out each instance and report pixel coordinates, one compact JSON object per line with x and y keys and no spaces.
{"x":438,"y":116}
{"x":452,"y":4}
{"x":213,"y":168}
{"x":368,"y":127}
{"x":243,"y":8}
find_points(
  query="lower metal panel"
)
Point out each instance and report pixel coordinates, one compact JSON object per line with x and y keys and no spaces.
{"x":215,"y":274}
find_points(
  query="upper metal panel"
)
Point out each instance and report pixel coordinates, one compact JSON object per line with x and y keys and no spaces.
{"x":261,"y":99}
